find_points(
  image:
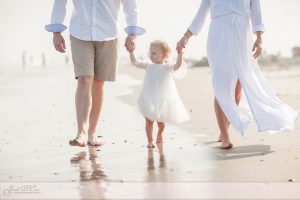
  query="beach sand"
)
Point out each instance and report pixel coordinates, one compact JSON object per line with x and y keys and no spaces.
{"x":37,"y":119}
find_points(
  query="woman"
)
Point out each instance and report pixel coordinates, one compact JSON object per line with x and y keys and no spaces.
{"x":232,"y":58}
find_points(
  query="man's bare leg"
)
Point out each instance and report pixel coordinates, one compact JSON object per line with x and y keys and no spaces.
{"x":83,"y":103}
{"x":97,"y":101}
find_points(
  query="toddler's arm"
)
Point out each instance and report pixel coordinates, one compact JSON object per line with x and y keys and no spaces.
{"x":178,"y":63}
{"x":134,"y":61}
{"x":132,"y":57}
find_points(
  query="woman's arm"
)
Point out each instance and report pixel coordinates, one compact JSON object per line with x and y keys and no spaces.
{"x":196,"y":25}
{"x":257,"y":27}
{"x":199,"y":19}
{"x":256,"y":18}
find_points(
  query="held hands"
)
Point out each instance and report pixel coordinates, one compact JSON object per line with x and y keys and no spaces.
{"x":181,"y":44}
{"x":183,"y":41}
{"x":59,"y":42}
{"x":130,"y":43}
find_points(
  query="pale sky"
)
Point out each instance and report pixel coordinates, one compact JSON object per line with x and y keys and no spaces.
{"x":22,"y":24}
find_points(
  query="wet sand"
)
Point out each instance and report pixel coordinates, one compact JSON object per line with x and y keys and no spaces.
{"x":38,"y":118}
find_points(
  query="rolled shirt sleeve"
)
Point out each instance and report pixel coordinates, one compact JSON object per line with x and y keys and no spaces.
{"x":199,"y":19}
{"x":256,"y":17}
{"x":57,"y":17}
{"x":131,"y":14}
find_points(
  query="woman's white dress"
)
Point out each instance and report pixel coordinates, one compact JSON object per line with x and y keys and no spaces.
{"x":230,"y":56}
{"x":159,"y":99}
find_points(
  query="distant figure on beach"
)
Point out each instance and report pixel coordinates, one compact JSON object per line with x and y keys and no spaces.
{"x":94,"y":46}
{"x":23,"y":60}
{"x":158,"y":100}
{"x":232,"y":58}
{"x":43,"y":60}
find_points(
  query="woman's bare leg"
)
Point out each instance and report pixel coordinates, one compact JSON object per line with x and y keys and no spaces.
{"x":222,"y":120}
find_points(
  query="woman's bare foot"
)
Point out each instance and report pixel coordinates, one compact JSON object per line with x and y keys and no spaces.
{"x":220,"y":138}
{"x":226,"y":145}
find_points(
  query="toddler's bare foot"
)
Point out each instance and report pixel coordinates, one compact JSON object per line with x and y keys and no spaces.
{"x":159,"y":139}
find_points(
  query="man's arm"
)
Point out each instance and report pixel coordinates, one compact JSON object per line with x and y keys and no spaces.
{"x":131,"y":15}
{"x":56,"y":26}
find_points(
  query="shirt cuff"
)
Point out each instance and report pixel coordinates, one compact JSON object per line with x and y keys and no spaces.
{"x":258,"y":28}
{"x":55,"y":27}
{"x":193,"y":30}
{"x":135,"y":30}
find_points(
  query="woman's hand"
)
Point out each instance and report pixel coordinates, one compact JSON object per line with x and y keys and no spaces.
{"x":183,"y":41}
{"x":181,"y":44}
{"x":257,"y":46}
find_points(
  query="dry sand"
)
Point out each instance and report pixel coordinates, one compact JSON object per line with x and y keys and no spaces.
{"x":37,"y":119}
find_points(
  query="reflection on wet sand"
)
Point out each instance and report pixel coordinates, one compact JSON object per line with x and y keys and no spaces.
{"x":92,"y":177}
{"x":156,"y":173}
{"x":89,"y":168}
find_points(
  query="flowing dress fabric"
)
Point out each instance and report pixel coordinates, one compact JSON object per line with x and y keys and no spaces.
{"x":230,"y":57}
{"x":159,"y":99}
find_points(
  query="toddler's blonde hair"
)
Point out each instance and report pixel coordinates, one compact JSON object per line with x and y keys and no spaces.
{"x":164,"y":46}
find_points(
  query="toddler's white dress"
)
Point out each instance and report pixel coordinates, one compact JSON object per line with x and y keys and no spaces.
{"x":159,"y":99}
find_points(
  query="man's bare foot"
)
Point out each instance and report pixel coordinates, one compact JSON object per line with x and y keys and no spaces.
{"x":93,"y":140}
{"x":80,"y":140}
{"x":150,"y":145}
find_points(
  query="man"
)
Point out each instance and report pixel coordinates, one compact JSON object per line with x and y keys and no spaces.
{"x":94,"y":46}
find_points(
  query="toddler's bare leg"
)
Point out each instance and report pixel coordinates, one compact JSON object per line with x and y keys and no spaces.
{"x":161,"y":128}
{"x":149,"y":132}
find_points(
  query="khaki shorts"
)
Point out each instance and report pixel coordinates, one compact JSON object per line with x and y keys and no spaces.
{"x":97,"y":59}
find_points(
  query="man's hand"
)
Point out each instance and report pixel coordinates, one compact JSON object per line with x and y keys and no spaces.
{"x":130,"y":43}
{"x":59,"y":42}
